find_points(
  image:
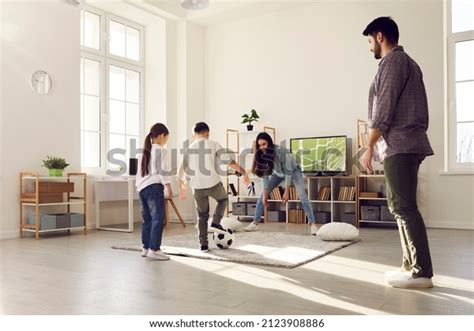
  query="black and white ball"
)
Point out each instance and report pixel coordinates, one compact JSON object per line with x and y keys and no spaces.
{"x":223,"y":240}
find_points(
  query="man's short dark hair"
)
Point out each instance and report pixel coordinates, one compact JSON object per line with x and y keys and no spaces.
{"x":201,"y":127}
{"x":386,"y":26}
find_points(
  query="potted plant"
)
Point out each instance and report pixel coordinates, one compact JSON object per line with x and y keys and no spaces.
{"x":55,"y":165}
{"x":249,"y":118}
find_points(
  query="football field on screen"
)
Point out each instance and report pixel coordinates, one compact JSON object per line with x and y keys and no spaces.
{"x":320,"y":154}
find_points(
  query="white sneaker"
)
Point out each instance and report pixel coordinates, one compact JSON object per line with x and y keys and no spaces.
{"x":397,"y":274}
{"x":144,"y":252}
{"x":410,"y":282}
{"x":251,"y":227}
{"x":157,"y":255}
{"x":314,"y":229}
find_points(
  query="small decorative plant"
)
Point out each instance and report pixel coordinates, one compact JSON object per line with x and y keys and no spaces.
{"x":55,"y":165}
{"x":249,"y":118}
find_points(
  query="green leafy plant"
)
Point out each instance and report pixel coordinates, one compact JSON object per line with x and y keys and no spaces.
{"x":249,"y":118}
{"x":53,"y":162}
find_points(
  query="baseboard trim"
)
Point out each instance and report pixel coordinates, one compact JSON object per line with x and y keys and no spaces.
{"x":16,"y":234}
{"x":188,"y":220}
{"x":10,"y":234}
{"x":451,"y":226}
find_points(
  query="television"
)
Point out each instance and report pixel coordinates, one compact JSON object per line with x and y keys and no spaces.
{"x":321,"y":155}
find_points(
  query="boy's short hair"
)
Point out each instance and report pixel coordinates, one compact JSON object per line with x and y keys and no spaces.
{"x":201,"y":127}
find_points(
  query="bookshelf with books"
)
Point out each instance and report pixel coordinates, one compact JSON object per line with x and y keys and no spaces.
{"x":334,"y":197}
{"x":344,"y":203}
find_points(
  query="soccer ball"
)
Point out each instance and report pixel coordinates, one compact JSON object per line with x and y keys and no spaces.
{"x":223,"y":240}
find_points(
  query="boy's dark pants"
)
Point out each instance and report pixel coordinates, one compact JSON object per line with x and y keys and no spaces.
{"x":401,"y":174}
{"x":201,"y":196}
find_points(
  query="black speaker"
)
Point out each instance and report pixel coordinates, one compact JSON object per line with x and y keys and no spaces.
{"x":132,"y":166}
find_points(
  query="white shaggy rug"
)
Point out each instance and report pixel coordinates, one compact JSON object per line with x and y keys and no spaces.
{"x":277,"y":249}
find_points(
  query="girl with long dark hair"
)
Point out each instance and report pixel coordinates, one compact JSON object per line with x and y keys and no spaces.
{"x":275,"y":164}
{"x":152,"y":175}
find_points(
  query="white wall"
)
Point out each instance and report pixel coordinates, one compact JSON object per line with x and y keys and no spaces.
{"x":186,"y":45}
{"x":307,"y":71}
{"x":31,"y":40}
{"x":36,"y":35}
{"x":195,"y":64}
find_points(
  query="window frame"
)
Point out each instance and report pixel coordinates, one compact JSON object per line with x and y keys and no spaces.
{"x":102,"y":55}
{"x":141,"y":29}
{"x":141,"y":128}
{"x":452,"y":38}
{"x":103,"y":112}
{"x":102,"y":35}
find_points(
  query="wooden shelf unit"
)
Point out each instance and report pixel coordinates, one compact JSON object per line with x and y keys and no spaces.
{"x":333,"y":205}
{"x":239,"y":141}
{"x":70,"y":200}
{"x":371,"y":183}
{"x":312,"y":185}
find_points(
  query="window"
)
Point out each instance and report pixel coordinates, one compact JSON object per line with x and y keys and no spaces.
{"x":124,"y":41}
{"x":90,"y":113}
{"x":90,"y":30}
{"x":111,"y":89}
{"x":461,"y":84}
{"x":124,"y":105}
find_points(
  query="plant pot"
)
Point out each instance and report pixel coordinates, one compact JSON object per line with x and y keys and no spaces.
{"x":56,"y":172}
{"x":250,"y":127}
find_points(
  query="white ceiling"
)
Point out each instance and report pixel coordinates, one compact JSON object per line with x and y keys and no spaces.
{"x":224,"y":10}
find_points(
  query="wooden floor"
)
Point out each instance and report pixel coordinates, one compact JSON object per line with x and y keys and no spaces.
{"x":81,"y":275}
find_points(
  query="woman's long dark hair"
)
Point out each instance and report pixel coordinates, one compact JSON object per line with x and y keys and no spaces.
{"x":263,"y":162}
{"x":155,"y":131}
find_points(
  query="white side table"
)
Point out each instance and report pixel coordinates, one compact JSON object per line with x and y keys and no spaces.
{"x":115,"y":188}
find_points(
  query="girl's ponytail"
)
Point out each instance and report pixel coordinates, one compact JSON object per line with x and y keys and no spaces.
{"x":155,"y":131}
{"x":146,"y":155}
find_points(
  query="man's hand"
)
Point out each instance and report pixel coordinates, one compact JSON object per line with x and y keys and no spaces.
{"x":367,"y":159}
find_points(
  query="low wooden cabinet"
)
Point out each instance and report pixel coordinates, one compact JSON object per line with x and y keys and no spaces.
{"x":50,"y":191}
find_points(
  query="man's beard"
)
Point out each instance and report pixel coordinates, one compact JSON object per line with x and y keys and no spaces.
{"x":377,"y":51}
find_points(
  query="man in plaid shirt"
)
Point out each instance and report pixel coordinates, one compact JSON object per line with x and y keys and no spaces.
{"x":398,"y":119}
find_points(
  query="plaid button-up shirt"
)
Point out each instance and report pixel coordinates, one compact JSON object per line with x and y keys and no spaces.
{"x":398,"y":106}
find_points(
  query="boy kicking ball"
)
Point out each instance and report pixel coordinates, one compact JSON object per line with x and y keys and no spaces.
{"x":201,"y":162}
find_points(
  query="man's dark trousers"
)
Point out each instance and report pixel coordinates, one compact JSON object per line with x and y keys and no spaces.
{"x":401,"y":174}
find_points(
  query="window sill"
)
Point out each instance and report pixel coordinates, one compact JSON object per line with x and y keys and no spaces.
{"x":457,"y":173}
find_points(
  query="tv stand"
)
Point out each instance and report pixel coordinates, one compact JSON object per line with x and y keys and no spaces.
{"x":326,"y":174}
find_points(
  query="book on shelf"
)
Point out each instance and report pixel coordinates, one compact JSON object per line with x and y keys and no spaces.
{"x":324,"y":193}
{"x":296,"y":216}
{"x":277,"y":193}
{"x":341,"y":194}
{"x":346,"y":193}
{"x":293,"y":195}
